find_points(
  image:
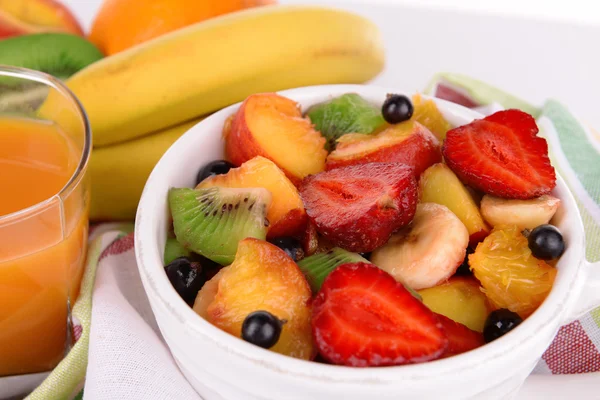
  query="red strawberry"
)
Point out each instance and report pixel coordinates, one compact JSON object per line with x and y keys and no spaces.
{"x":460,"y":338}
{"x":501,"y":155}
{"x":362,"y":317}
{"x":408,"y":143}
{"x":358,"y":207}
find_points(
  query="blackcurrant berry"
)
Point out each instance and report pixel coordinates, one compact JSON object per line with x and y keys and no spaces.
{"x":291,"y":246}
{"x":217,"y":167}
{"x":500,"y":322}
{"x":546,"y":242}
{"x":186,"y":277}
{"x":397,"y":108}
{"x":262,"y":329}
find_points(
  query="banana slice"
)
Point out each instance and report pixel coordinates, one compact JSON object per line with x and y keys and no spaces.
{"x":526,"y":214}
{"x":426,"y":252}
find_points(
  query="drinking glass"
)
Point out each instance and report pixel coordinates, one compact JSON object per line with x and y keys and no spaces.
{"x":44,"y":137}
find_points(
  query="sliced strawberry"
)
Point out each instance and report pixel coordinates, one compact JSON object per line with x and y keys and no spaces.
{"x":358,"y":207}
{"x":408,"y":143}
{"x":460,"y":338}
{"x":362,"y":317}
{"x":516,"y":120}
{"x":501,"y":155}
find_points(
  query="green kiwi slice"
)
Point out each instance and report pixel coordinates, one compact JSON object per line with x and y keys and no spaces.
{"x":58,"y":54}
{"x":174,"y":250}
{"x":348,"y":113}
{"x":319,"y":265}
{"x":212,"y":221}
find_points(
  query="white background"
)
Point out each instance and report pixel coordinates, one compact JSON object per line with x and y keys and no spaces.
{"x":533,"y":48}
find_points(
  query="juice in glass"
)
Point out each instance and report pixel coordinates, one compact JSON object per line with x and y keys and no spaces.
{"x":43,"y":235}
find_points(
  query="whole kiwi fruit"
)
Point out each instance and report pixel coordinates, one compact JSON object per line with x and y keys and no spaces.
{"x":58,"y":54}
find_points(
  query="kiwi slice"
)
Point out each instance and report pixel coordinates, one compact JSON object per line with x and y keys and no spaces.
{"x":58,"y":54}
{"x":318,"y":266}
{"x":173,"y":250}
{"x":348,"y":113}
{"x":212,"y":221}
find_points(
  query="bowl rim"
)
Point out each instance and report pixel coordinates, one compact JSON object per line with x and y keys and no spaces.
{"x":157,"y":286}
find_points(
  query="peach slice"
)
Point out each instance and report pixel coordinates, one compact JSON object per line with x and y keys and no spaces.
{"x":440,"y":185}
{"x":272,"y":126}
{"x":408,"y":143}
{"x":264,"y":277}
{"x":20,"y":17}
{"x":286,"y":213}
{"x":207,"y":294}
{"x":427,"y":113}
{"x":460,"y":299}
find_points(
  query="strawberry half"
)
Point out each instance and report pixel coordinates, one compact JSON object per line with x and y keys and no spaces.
{"x":460,"y":338}
{"x":501,"y":155}
{"x":358,"y":207}
{"x":362,"y":317}
{"x":407,"y":143}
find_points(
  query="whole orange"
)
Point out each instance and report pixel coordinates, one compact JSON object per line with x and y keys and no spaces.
{"x":121,"y":24}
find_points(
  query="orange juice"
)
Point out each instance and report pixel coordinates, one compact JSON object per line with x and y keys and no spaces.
{"x":41,"y":251}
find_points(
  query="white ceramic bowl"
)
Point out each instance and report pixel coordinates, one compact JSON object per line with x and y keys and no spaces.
{"x":221,"y":366}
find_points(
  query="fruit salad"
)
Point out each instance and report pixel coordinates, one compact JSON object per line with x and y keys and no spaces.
{"x":366,"y":235}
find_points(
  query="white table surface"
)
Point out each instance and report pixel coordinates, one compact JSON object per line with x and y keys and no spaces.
{"x":533,"y":48}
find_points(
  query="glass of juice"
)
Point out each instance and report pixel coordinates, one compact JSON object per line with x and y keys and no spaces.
{"x":45,"y":144}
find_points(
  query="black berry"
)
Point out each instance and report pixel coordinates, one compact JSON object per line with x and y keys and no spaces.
{"x":397,"y":108}
{"x":218,"y":167}
{"x":186,"y":277}
{"x":500,"y":322}
{"x":546,"y":242}
{"x":291,"y":246}
{"x":209,"y":267}
{"x":366,"y":256}
{"x":463,"y":269}
{"x":262,"y":329}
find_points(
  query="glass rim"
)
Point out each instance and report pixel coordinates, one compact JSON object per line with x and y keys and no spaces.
{"x":57,"y":84}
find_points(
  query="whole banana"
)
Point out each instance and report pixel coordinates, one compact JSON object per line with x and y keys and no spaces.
{"x":209,"y":65}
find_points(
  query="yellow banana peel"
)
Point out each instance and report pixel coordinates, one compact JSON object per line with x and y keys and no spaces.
{"x":212,"y":64}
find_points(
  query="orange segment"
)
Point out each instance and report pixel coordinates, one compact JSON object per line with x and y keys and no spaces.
{"x":286,"y":212}
{"x":121,"y":24}
{"x":511,"y":276}
{"x":263,"y":277}
{"x":427,"y":113}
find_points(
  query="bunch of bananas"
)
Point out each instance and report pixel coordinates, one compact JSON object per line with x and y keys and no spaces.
{"x":141,"y":100}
